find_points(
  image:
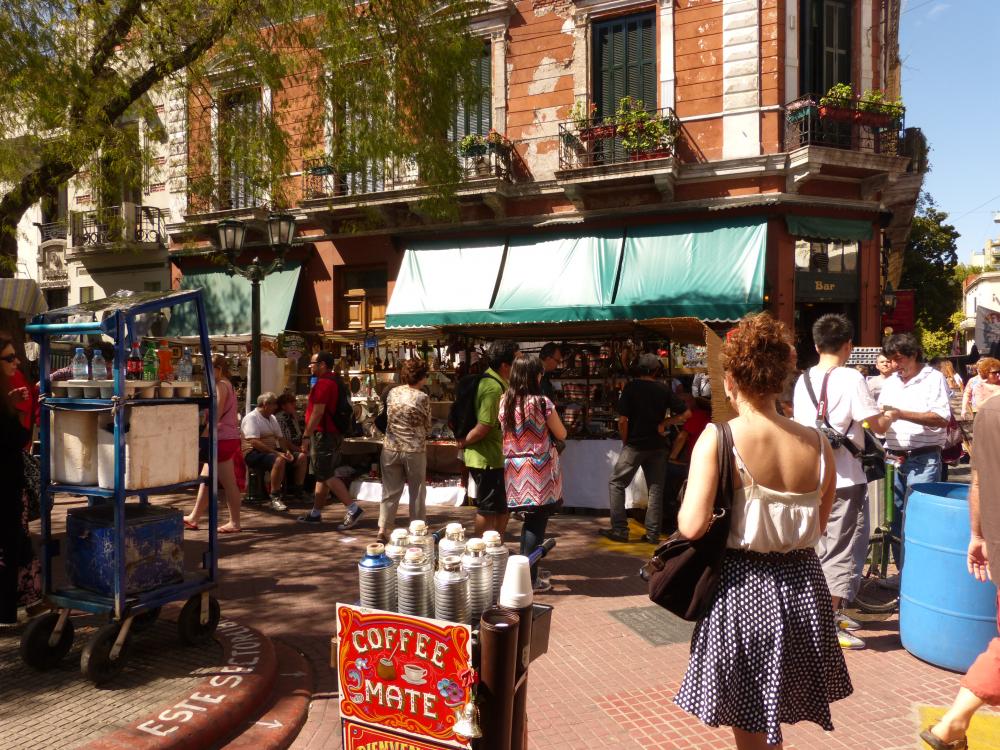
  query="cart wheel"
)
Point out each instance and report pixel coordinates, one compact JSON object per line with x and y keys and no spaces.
{"x":35,"y":649}
{"x":96,"y":662}
{"x":142,"y":623}
{"x":189,"y":626}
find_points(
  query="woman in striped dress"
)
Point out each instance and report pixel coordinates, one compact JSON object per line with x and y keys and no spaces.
{"x":530,"y":461}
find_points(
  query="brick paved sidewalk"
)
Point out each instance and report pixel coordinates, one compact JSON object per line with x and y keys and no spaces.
{"x":602,"y":684}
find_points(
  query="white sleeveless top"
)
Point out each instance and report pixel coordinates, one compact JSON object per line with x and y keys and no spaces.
{"x":766,"y":520}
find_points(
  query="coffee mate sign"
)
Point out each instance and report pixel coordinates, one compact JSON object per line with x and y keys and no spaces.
{"x":402,"y":673}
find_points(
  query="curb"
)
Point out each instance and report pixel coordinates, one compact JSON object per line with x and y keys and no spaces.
{"x":286,"y":712}
{"x":215,"y":708}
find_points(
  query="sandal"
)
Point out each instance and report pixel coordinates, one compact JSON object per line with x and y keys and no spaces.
{"x":190,"y":526}
{"x":938,"y":744}
{"x":229,"y":530}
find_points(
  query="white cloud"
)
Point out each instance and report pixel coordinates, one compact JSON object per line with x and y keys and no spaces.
{"x":937,"y":10}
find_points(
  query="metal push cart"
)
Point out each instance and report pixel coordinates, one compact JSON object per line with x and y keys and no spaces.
{"x":48,"y":638}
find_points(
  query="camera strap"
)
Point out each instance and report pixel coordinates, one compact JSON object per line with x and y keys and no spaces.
{"x":822,"y":418}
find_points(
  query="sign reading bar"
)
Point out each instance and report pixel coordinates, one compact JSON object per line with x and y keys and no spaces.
{"x":402,"y":673}
{"x":361,"y":737}
{"x":826,"y":287}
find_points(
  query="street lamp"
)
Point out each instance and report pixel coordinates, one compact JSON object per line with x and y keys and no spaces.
{"x":280,"y":233}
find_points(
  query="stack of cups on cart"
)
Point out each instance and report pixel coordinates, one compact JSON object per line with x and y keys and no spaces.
{"x":400,"y":577}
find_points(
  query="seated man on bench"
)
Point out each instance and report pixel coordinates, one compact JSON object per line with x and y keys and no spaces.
{"x":265,"y":448}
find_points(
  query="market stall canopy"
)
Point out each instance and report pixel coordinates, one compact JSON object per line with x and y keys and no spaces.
{"x":227,"y":302}
{"x":22,"y":296}
{"x":657,"y":271}
{"x":826,"y":228}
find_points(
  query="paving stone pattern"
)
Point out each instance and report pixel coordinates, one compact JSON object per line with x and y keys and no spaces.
{"x":61,"y":709}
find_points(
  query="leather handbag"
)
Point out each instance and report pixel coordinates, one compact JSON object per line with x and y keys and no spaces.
{"x":683,"y":574}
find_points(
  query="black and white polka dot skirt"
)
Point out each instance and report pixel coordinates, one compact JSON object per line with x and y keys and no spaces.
{"x":766,"y":654}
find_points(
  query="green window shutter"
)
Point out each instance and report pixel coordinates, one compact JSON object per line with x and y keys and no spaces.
{"x":624,"y":62}
{"x":476,"y":117}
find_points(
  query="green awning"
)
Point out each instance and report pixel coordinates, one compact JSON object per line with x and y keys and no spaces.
{"x":445,"y":283}
{"x":706,"y":270}
{"x":825,"y":228}
{"x":227,"y":302}
{"x":558,"y":279}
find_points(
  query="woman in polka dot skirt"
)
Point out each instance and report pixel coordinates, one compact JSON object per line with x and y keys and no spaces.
{"x":766,"y":653}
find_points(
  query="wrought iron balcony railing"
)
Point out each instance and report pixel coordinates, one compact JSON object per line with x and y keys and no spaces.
{"x":125,"y":224}
{"x":53,"y":230}
{"x":208,"y":193}
{"x":847,"y":124}
{"x":639,"y":136}
{"x":322,"y":178}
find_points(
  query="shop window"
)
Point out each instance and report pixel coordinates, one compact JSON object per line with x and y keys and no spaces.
{"x":825,"y":40}
{"x":476,"y":118}
{"x":624,"y":62}
{"x":826,"y":257}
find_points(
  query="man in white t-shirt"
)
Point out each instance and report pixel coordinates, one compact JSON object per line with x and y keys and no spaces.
{"x":848,"y":403}
{"x":265,"y":447}
{"x":917,"y":395}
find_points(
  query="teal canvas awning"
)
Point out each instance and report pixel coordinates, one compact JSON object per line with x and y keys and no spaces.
{"x":227,"y":302}
{"x":706,"y":270}
{"x":825,"y":228}
{"x":444,"y":283}
{"x":558,"y":278}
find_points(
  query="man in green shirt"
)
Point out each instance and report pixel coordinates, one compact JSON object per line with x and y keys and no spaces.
{"x":484,"y":444}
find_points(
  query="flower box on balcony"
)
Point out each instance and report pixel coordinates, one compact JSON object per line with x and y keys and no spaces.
{"x":597,"y":133}
{"x":875,"y":119}
{"x":837,"y":114}
{"x":653,"y":153}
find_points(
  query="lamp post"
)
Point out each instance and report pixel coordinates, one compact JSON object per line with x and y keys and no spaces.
{"x":280,"y":233}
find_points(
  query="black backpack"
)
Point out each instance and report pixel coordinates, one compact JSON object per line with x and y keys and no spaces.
{"x":462,"y":414}
{"x":343,"y":417}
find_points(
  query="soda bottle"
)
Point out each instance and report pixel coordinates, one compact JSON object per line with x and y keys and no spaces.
{"x":98,"y":367}
{"x":149,"y":364}
{"x":165,"y":359}
{"x":81,"y":370}
{"x":133,"y":368}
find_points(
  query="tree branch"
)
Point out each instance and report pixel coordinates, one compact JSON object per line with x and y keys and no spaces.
{"x":113,"y":36}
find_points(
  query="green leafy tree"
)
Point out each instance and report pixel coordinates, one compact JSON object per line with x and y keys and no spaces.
{"x":386,"y":77}
{"x":929,"y":267}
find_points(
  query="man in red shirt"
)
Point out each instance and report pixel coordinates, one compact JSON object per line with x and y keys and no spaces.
{"x":679,"y":459}
{"x":323,"y":439}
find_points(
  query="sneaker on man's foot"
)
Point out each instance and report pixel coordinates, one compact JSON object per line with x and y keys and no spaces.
{"x":650,"y":539}
{"x":310,"y":518}
{"x":544,"y":574}
{"x":276,"y":504}
{"x":540,"y":585}
{"x":350,"y":519}
{"x":849,"y":642}
{"x":846,"y":623}
{"x":614,"y":535}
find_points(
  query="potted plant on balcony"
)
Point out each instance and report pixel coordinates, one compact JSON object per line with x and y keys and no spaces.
{"x":875,"y":111}
{"x":838,"y":103}
{"x":588,"y":130}
{"x":498,"y":143}
{"x":645,"y":135}
{"x":474,"y":147}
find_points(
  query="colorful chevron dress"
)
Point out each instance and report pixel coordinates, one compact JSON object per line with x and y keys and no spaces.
{"x":530,"y":462}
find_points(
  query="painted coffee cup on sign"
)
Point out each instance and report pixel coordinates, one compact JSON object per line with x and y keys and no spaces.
{"x":415,"y":672}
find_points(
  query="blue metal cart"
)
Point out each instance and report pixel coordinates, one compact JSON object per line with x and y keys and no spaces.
{"x":48,"y":638}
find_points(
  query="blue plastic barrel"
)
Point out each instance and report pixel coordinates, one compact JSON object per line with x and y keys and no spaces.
{"x":946,"y":617}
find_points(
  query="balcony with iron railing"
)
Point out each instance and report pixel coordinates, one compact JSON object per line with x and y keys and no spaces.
{"x":323,"y":178}
{"x":630,"y":136}
{"x":848,"y":124}
{"x":116,"y":227}
{"x":208,"y":194}
{"x":52,"y":230}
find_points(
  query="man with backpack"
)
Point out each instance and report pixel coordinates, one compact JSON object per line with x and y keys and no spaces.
{"x":836,"y":399}
{"x":323,"y":437}
{"x":476,"y":421}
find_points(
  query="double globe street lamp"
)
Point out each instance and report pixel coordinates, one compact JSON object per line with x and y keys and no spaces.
{"x":232,"y":233}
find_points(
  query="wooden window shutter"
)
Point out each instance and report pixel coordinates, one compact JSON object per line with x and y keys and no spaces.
{"x":624,"y":62}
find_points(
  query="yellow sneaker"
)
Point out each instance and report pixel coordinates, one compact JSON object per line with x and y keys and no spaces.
{"x":849,"y":642}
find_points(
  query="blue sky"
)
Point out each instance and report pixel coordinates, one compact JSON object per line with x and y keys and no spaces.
{"x":951,"y":89}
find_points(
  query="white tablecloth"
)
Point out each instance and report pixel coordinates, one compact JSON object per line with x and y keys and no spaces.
{"x":371,"y":489}
{"x":586,"y":466}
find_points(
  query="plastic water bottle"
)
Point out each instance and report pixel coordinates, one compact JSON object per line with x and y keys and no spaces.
{"x":98,"y":367}
{"x":185,"y":367}
{"x":81,"y":371}
{"x":149,"y":364}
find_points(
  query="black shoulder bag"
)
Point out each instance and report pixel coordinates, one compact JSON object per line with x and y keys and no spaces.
{"x":872,"y":458}
{"x":683,"y":574}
